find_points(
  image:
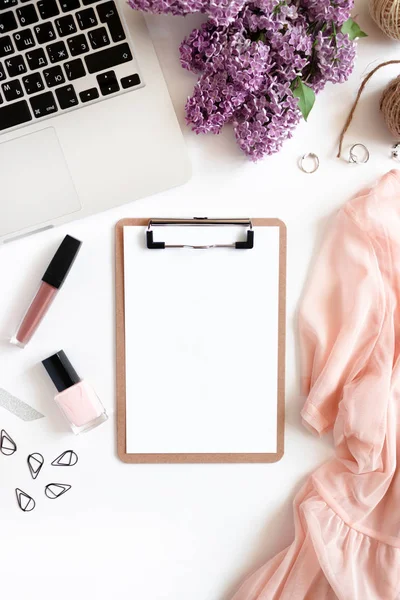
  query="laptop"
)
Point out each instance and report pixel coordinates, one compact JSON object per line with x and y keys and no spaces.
{"x":86,"y":121}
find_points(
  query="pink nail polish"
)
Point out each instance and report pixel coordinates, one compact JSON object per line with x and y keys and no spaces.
{"x":51,"y":283}
{"x":76,"y":398}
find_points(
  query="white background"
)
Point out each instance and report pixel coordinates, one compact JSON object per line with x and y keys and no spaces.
{"x":177,"y":532}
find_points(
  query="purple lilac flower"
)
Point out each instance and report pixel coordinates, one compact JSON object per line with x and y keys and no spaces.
{"x":213,"y":103}
{"x":223,"y":12}
{"x":176,"y":7}
{"x":198,"y":49}
{"x":237,"y":71}
{"x":249,"y":53}
{"x":246,"y":63}
{"x":336,"y":56}
{"x":220,"y":12}
{"x":337,"y":11}
{"x":262,"y":125}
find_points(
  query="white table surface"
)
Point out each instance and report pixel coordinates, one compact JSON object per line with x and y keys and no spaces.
{"x":176,"y":532}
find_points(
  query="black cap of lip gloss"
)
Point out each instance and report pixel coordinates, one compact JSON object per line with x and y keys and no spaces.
{"x":62,"y":262}
{"x":61,"y":372}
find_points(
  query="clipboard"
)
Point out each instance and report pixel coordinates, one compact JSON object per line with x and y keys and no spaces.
{"x":151,"y":234}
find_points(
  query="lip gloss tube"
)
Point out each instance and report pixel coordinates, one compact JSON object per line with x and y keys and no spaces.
{"x":51,"y":283}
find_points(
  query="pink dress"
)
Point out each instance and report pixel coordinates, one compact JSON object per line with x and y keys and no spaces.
{"x":347,"y":516}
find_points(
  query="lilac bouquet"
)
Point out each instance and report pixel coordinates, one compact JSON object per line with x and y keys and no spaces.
{"x":261,"y":63}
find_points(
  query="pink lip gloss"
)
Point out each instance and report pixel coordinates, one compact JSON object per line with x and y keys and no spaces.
{"x":51,"y":283}
{"x":76,"y":398}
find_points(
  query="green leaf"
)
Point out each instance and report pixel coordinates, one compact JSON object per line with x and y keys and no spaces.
{"x":353,"y":30}
{"x":305,"y":96}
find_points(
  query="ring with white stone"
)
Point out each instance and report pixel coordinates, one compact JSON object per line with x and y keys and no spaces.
{"x":309,"y":163}
{"x":356,"y":157}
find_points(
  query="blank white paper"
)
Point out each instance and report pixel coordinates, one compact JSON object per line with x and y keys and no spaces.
{"x":201,"y":342}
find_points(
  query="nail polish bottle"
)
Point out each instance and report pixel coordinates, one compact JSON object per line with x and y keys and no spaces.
{"x":76,"y":398}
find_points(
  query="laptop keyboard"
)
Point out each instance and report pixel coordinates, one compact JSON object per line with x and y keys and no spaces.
{"x":60,"y":55}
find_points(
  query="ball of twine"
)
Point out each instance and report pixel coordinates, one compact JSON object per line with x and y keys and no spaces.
{"x":386,"y":14}
{"x":390,"y":104}
{"x":390,"y":107}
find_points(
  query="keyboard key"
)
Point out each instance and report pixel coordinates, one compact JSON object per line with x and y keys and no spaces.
{"x":6,"y":46}
{"x":78,"y":45}
{"x":14,"y":114}
{"x":44,"y":33}
{"x":36,"y":59}
{"x":67,"y":5}
{"x":47,"y":8}
{"x":74,"y":69}
{"x":12,"y":90}
{"x":54,"y":76}
{"x":116,"y":30}
{"x":130,"y":81}
{"x":33,"y":83}
{"x":7,"y":4}
{"x":43,"y":104}
{"x":108,"y":14}
{"x":105,"y":59}
{"x":57,"y":52}
{"x":24,"y":39}
{"x":2,"y":73}
{"x":105,"y":78}
{"x":108,"y":83}
{"x":1,"y":100}
{"x":86,"y":18}
{"x":66,"y":96}
{"x":15,"y":65}
{"x":98,"y":38}
{"x":27,"y":15}
{"x":107,"y":11}
{"x":65,"y":25}
{"x":88,"y":95}
{"x":8,"y":22}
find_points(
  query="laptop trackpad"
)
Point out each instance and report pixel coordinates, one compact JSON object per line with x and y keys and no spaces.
{"x":35,"y":183}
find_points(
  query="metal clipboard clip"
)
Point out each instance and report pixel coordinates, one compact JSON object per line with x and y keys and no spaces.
{"x":240,"y":245}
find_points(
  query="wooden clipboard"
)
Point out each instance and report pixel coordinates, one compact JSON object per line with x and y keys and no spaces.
{"x":121,"y":364}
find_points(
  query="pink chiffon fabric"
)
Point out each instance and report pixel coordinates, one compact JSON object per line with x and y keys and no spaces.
{"x":347,"y":516}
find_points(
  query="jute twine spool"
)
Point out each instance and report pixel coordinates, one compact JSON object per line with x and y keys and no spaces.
{"x":390,"y":104}
{"x":386,"y":14}
{"x":390,"y":107}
